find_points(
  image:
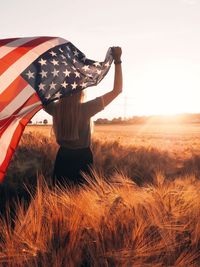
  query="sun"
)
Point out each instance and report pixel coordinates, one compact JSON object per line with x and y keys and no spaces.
{"x":167,"y":89}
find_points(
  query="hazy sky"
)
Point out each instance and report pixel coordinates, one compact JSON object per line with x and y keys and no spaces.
{"x":160,"y":41}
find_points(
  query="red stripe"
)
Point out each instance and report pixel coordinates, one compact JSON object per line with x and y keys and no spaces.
{"x":7,"y":41}
{"x":15,"y":140}
{"x":6,"y":122}
{"x":20,"y":51}
{"x":12,"y":91}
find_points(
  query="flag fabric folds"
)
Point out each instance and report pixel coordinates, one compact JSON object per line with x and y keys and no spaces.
{"x":34,"y":72}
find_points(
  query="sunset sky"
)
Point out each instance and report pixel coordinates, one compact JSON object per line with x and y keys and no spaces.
{"x":160,"y":41}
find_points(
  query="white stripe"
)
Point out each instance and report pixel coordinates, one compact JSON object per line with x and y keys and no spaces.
{"x":29,"y":108}
{"x":17,"y":102}
{"x":8,"y":134}
{"x":21,"y":64}
{"x":4,"y":50}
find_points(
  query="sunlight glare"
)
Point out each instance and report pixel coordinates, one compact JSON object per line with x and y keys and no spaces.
{"x":169,"y":88}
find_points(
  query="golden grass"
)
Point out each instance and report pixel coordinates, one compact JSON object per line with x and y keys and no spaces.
{"x":178,"y":139}
{"x":107,"y":224}
{"x":140,"y":208}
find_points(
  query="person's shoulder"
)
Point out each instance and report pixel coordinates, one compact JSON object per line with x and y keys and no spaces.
{"x":91,"y":107}
{"x":94,"y":101}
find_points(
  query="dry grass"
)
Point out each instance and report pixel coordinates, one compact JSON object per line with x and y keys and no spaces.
{"x":107,"y":224}
{"x":141,"y":208}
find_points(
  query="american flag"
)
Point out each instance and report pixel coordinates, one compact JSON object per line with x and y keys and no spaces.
{"x":34,"y":72}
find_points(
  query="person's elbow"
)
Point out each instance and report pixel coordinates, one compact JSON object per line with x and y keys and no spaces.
{"x":118,"y":90}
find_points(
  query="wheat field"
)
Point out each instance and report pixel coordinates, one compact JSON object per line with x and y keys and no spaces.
{"x":141,"y":207}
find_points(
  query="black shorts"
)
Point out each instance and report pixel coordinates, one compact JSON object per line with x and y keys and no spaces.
{"x":70,"y":163}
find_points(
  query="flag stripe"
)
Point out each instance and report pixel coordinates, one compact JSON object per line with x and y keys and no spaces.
{"x":5,"y":122}
{"x":17,"y":102}
{"x":12,"y":136}
{"x":20,"y":51}
{"x":6,"y":41}
{"x":18,"y":67}
{"x":33,"y":99}
{"x":9,"y":47}
{"x":6,"y":135}
{"x":12,"y":91}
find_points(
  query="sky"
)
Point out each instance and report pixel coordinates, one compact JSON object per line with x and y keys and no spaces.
{"x":160,"y":42}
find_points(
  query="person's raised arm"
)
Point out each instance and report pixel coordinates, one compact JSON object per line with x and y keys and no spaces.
{"x":118,"y":81}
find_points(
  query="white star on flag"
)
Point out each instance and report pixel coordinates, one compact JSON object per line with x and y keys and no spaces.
{"x":74,"y":85}
{"x":64,"y":84}
{"x":77,"y":74}
{"x":97,"y":64}
{"x":86,"y":68}
{"x":30,"y":74}
{"x":99,"y":72}
{"x":41,"y":86}
{"x":52,"y":85}
{"x":53,"y":54}
{"x":48,"y":97}
{"x":67,"y":73}
{"x":58,"y":95}
{"x":83,"y":84}
{"x":42,"y":62}
{"x":76,"y":53}
{"x":54,"y":62}
{"x":55,"y":72}
{"x":43,"y":74}
{"x":84,"y":59}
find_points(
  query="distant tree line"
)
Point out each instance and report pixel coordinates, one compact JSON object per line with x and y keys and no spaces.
{"x":164,"y":119}
{"x":155,"y":119}
{"x":45,"y":121}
